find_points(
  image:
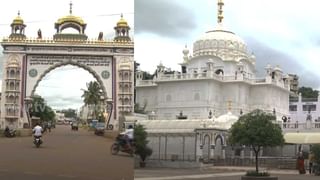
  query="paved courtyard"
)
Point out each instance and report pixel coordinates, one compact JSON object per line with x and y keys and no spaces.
{"x":209,"y":173}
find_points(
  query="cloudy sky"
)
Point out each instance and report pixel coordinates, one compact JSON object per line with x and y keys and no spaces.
{"x":284,"y":33}
{"x":59,"y":87}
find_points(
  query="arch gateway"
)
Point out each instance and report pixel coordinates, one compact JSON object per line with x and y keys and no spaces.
{"x":28,"y":60}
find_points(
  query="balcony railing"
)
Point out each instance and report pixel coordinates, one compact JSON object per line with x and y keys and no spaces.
{"x":300,"y":127}
{"x":208,"y":75}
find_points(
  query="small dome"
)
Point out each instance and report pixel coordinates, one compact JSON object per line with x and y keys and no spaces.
{"x":122,"y":22}
{"x":226,"y":121}
{"x":71,"y":18}
{"x":185,"y":50}
{"x":18,"y":20}
{"x":125,"y":66}
{"x":277,"y":68}
{"x":13,"y":63}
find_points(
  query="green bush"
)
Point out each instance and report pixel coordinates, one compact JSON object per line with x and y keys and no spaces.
{"x":255,"y":173}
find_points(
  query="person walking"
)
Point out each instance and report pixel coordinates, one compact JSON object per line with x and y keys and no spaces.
{"x":311,"y":161}
{"x":300,"y":163}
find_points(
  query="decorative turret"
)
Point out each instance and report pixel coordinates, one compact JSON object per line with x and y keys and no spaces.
{"x":122,"y":30}
{"x":70,"y":21}
{"x":185,"y":54}
{"x":17,"y":28}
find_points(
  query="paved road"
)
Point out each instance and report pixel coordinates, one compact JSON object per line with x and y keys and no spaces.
{"x":65,"y":155}
{"x":222,"y":173}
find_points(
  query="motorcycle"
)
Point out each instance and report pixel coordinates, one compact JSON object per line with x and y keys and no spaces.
{"x":120,"y":145}
{"x":37,"y":141}
{"x":10,"y":133}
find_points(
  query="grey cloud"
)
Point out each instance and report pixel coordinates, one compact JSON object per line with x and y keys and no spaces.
{"x":267,"y":55}
{"x":58,"y":101}
{"x":163,"y":17}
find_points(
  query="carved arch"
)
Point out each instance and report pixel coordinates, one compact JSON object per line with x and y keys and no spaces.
{"x":87,"y":68}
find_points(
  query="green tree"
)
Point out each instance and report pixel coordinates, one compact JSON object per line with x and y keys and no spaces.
{"x":141,"y":142}
{"x":41,"y":109}
{"x":308,"y":92}
{"x":92,"y":96}
{"x":69,"y":113}
{"x":257,"y":130}
{"x":316,"y":151}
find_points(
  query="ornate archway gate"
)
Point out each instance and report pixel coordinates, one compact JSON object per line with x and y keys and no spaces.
{"x":27,"y":61}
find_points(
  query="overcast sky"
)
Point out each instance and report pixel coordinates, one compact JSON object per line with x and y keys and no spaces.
{"x":59,"y":87}
{"x":284,"y":33}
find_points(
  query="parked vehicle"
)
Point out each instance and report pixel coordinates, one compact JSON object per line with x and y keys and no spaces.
{"x":9,"y":132}
{"x":120,"y":145}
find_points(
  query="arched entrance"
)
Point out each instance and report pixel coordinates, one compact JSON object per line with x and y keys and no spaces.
{"x":28,"y":60}
{"x":218,"y":147}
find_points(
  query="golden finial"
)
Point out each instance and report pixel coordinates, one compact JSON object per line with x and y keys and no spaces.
{"x":70,"y":7}
{"x":229,"y":105}
{"x":220,"y":11}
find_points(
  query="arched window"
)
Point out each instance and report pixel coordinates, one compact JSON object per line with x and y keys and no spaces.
{"x":11,"y":86}
{"x":126,"y":76}
{"x":219,"y":72}
{"x":12,"y":74}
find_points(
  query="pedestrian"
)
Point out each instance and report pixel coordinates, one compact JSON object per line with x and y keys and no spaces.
{"x":311,"y":160}
{"x":49,"y":126}
{"x":300,"y":163}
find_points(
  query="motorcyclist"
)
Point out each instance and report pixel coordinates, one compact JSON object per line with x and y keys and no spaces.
{"x":37,"y":131}
{"x":128,"y":135}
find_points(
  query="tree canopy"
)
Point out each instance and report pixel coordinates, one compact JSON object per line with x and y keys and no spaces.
{"x":92,"y":96}
{"x":140,"y":136}
{"x":308,"y":92}
{"x":41,"y":109}
{"x":257,"y":130}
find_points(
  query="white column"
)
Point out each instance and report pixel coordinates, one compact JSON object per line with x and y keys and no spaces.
{"x":242,"y":152}
{"x":251,"y":153}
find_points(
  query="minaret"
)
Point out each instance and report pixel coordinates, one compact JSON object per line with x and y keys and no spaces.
{"x":17,"y":28}
{"x":122,"y":30}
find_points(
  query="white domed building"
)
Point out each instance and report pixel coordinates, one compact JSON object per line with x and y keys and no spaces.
{"x":218,"y":79}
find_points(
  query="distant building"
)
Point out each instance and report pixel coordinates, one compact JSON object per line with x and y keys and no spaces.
{"x":60,"y":118}
{"x":300,"y":108}
{"x":294,"y":83}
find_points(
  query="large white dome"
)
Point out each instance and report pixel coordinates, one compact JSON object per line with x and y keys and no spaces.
{"x":218,"y":42}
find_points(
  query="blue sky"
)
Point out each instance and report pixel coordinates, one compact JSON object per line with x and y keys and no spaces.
{"x":58,"y":87}
{"x":281,"y":33}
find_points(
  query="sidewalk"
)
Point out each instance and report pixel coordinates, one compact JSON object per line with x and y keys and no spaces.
{"x":207,"y":172}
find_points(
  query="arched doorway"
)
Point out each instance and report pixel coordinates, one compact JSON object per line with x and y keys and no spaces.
{"x":206,"y":148}
{"x":218,"y":147}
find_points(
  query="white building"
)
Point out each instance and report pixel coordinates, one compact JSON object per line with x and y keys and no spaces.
{"x":218,"y":71}
{"x":192,"y":110}
{"x":304,"y":115}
